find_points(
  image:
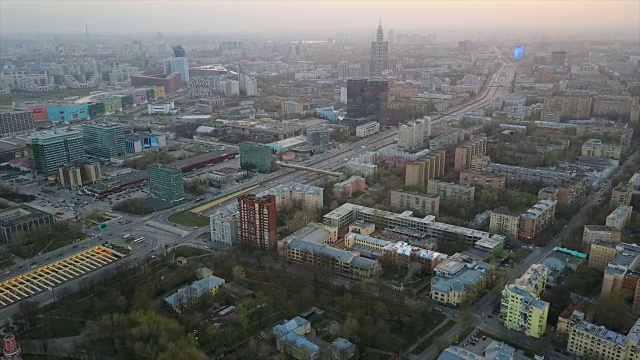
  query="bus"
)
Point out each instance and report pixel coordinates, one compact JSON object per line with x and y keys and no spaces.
{"x":138,"y":240}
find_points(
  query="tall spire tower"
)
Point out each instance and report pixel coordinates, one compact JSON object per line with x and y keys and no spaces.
{"x":379,"y":53}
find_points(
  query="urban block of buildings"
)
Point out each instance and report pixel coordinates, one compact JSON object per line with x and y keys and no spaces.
{"x":593,"y":341}
{"x":475,"y":177}
{"x":466,"y":152}
{"x":592,"y":233}
{"x":448,"y":191}
{"x":459,"y":280}
{"x":536,"y":219}
{"x":419,"y":173}
{"x":49,"y":150}
{"x":622,"y":193}
{"x":75,"y":175}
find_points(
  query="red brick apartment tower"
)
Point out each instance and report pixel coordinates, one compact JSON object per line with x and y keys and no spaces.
{"x":257,"y":225}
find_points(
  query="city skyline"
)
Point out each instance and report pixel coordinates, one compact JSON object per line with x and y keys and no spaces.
{"x":330,"y":16}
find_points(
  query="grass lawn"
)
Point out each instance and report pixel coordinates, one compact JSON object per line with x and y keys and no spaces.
{"x":54,"y":328}
{"x":186,"y":218}
{"x":428,"y":341}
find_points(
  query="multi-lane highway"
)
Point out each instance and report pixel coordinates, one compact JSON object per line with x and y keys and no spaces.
{"x":158,"y":240}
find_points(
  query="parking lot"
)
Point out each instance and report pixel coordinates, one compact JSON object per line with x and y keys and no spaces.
{"x":56,"y":273}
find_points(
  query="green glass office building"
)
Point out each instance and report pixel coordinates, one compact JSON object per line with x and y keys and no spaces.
{"x":50,"y":150}
{"x":105,"y":140}
{"x":166,"y":183}
{"x":256,"y":157}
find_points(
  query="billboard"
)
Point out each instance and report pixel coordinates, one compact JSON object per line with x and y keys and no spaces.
{"x":518,"y":52}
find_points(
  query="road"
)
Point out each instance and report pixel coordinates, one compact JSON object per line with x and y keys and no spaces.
{"x":158,"y":240}
{"x":485,"y":305}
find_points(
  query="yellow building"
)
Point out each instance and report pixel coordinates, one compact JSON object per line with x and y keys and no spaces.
{"x":311,"y":197}
{"x":521,"y":308}
{"x":595,"y":147}
{"x":459,"y":280}
{"x":504,"y":222}
{"x":591,"y":341}
{"x":419,"y":173}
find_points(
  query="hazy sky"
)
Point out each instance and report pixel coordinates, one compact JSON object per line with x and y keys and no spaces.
{"x":213,"y":16}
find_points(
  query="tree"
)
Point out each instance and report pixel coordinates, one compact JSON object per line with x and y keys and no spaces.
{"x":611,"y":310}
{"x":239,"y":274}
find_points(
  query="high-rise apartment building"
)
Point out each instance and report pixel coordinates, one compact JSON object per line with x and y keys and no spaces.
{"x":622,"y":194}
{"x":256,"y":157}
{"x":411,"y":136}
{"x":257,"y":221}
{"x":536,"y":219}
{"x":379,"y":53}
{"x":104,"y":140}
{"x":76,"y":174}
{"x":467,"y":151}
{"x":521,"y":308}
{"x":419,"y":173}
{"x":248,"y":85}
{"x":178,"y":65}
{"x":15,"y":122}
{"x":343,"y":69}
{"x":367,"y":99}
{"x":50,"y":150}
{"x":166,"y":183}
{"x":504,"y":222}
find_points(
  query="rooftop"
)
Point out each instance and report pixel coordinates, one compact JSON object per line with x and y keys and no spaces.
{"x":196,"y":289}
{"x":295,"y":188}
{"x":19,"y":214}
{"x":333,"y":253}
{"x":312,"y":232}
{"x":527,"y":296}
{"x":621,"y":211}
{"x":461,"y":281}
{"x":601,"y":332}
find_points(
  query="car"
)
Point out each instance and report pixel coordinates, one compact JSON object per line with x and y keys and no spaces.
{"x":7,"y":272}
{"x":34,"y":266}
{"x":47,"y":257}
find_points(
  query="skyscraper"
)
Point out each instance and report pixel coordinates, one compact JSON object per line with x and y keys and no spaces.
{"x":257,"y":225}
{"x":379,"y":54}
{"x":178,"y":64}
{"x":367,"y":99}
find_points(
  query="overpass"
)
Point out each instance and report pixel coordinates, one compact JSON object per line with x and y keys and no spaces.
{"x":306,"y":168}
{"x":167,"y":228}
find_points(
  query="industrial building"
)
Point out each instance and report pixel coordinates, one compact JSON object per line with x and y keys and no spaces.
{"x":425,"y":204}
{"x":257,"y":221}
{"x":459,"y":280}
{"x":15,"y":122}
{"x":105,"y":140}
{"x":51,"y":149}
{"x":21,"y":218}
{"x":171,"y":82}
{"x":166,"y":183}
{"x":521,"y":308}
{"x":256,"y":157}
